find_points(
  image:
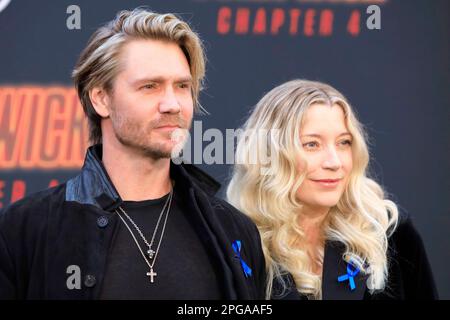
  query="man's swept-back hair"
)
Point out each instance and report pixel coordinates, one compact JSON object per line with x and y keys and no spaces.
{"x":99,"y":62}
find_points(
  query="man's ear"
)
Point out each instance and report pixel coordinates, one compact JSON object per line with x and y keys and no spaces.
{"x":100,"y":101}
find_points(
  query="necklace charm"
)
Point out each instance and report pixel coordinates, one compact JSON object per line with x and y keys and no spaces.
{"x":151,"y":274}
{"x":150,"y":253}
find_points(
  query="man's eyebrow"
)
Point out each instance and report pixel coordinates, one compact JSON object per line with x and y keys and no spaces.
{"x":184,"y":79}
{"x":161,"y":80}
{"x":315,"y":135}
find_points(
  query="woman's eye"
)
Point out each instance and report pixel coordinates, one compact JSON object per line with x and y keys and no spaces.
{"x":310,"y":145}
{"x":347,"y":142}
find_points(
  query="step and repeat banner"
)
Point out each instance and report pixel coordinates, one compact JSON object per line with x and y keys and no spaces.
{"x":389,"y":57}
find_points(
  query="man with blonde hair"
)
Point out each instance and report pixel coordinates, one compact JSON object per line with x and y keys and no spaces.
{"x":132,"y":224}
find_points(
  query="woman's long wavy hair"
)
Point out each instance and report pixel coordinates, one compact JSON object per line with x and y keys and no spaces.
{"x":362,"y":220}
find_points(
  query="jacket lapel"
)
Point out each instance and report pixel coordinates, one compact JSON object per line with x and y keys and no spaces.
{"x":211,"y":232}
{"x":334,"y":266}
{"x":235,"y":281}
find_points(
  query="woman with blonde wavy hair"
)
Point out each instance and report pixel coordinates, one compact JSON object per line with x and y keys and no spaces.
{"x":328,"y":231}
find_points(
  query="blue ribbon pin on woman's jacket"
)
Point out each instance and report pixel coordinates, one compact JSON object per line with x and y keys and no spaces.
{"x":352,"y":271}
{"x":237,"y":249}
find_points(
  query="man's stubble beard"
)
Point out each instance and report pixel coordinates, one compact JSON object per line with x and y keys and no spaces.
{"x":134,"y":136}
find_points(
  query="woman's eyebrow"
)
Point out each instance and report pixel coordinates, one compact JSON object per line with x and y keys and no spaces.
{"x":316,"y":135}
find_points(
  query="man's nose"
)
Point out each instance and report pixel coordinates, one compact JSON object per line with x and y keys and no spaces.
{"x":169,"y":102}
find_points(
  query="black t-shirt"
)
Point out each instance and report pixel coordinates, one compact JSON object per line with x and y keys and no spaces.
{"x":183,"y":267}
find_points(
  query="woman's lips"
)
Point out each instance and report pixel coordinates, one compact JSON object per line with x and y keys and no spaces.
{"x":328,"y":183}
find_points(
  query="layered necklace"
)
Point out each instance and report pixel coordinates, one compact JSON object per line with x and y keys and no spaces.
{"x":152,"y":254}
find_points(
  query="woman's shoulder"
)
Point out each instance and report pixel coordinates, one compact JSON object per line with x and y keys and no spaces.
{"x":405,"y":233}
{"x":409,"y":261}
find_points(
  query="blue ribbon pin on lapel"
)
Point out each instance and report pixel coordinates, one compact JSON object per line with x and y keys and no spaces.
{"x":237,"y":249}
{"x":352,"y":271}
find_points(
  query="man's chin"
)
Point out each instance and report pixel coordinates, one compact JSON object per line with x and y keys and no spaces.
{"x":155,"y":151}
{"x":162,"y":149}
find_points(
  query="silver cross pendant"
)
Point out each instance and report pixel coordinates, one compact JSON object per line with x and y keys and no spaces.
{"x":151,"y":274}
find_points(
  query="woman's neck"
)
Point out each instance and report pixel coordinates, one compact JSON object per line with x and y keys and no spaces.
{"x":311,"y":222}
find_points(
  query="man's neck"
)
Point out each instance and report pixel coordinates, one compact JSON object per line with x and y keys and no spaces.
{"x":135,"y":176}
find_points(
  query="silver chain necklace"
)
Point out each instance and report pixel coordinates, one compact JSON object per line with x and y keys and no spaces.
{"x":152,"y":254}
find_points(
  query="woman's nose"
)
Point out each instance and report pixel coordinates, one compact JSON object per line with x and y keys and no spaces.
{"x":332,"y":160}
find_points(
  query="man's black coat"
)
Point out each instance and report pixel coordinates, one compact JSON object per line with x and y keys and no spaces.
{"x":74,"y":224}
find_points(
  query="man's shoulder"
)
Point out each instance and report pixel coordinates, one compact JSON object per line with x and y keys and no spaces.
{"x":36,"y":204}
{"x":226,"y":210}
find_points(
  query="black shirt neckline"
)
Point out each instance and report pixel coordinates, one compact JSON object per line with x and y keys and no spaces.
{"x":142,"y":203}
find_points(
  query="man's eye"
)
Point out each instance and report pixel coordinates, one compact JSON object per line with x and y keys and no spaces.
{"x":149,"y":86}
{"x":184,"y":85}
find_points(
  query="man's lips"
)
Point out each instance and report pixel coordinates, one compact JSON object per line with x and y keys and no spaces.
{"x":168,"y":127}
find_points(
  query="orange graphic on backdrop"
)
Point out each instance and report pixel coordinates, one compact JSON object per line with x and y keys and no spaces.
{"x":41,"y":128}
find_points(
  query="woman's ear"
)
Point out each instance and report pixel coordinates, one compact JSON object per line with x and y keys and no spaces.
{"x":100,"y":101}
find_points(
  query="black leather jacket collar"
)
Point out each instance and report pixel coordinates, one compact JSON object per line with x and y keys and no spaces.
{"x":93,"y":185}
